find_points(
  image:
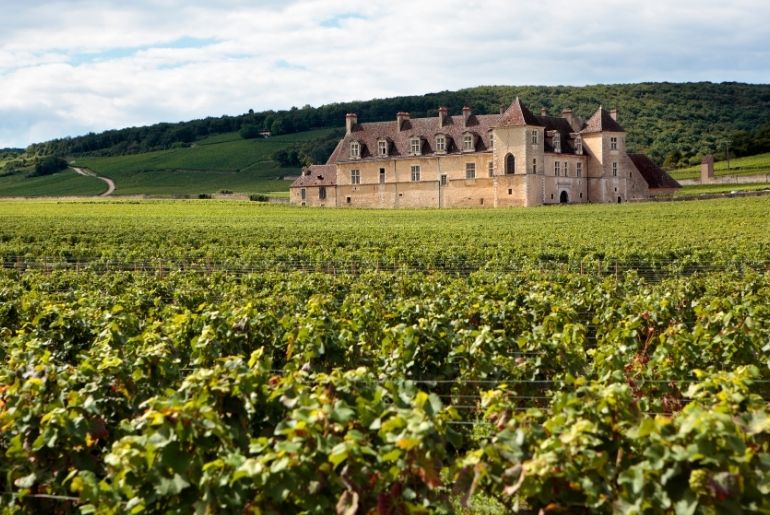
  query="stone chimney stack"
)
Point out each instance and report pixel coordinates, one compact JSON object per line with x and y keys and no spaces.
{"x":401,"y":119}
{"x":567,"y":114}
{"x":351,"y":119}
{"x":466,"y":115}
{"x":543,"y":111}
{"x":502,"y":109}
{"x":442,"y":114}
{"x":614,"y":114}
{"x":707,"y":169}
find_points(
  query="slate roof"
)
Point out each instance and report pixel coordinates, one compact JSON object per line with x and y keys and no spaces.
{"x":652,"y":173}
{"x":319,"y":175}
{"x":601,"y":121}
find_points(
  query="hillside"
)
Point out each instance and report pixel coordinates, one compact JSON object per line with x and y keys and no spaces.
{"x":749,"y":165}
{"x":224,"y":162}
{"x":673,"y":123}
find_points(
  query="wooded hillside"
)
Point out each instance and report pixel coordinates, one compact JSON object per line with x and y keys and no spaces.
{"x":673,"y":123}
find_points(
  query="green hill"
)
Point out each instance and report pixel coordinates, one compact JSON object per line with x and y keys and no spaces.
{"x":749,"y":165}
{"x":223,"y":162}
{"x":675,"y":124}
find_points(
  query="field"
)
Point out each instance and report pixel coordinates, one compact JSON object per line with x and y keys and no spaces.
{"x":698,"y":189}
{"x":751,"y":165}
{"x":62,"y":184}
{"x":222,"y":357}
{"x":221,"y":162}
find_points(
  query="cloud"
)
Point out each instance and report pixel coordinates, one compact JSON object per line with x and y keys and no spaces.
{"x":82,"y":65}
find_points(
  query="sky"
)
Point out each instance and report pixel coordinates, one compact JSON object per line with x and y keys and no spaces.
{"x":75,"y":66}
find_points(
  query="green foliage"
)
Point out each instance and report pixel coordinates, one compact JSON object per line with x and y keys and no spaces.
{"x":509,"y":363}
{"x":661,"y":118}
{"x":48,"y":166}
{"x":752,"y":165}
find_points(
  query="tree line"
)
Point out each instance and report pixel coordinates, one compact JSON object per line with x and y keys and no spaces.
{"x":673,"y":123}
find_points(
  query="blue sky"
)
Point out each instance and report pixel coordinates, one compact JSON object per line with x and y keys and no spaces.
{"x":74,"y":66}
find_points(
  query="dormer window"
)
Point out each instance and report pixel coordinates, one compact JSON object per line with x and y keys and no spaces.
{"x":579,"y":145}
{"x":557,"y":143}
{"x":355,"y":150}
{"x":468,"y":143}
{"x":534,"y":137}
{"x":440,"y":143}
{"x":415,"y":146}
{"x":382,"y":148}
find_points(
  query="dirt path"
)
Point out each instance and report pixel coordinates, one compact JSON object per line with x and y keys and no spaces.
{"x":89,"y":173}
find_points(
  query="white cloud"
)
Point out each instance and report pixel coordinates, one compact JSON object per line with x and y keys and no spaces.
{"x":70,"y":67}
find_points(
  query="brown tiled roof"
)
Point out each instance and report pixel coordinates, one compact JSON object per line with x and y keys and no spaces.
{"x":652,"y":173}
{"x":319,"y":175}
{"x":368,"y":134}
{"x":516,"y":115}
{"x":602,"y":121}
{"x":557,"y":123}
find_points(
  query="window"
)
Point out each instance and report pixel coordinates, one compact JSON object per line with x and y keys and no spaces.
{"x":355,"y":177}
{"x":470,"y":170}
{"x":491,"y":140}
{"x":566,"y":169}
{"x":614,"y":169}
{"x":444,"y":180}
{"x":613,"y":143}
{"x":382,"y":148}
{"x":534,"y":166}
{"x":355,"y":150}
{"x":382,"y":175}
{"x":468,"y":142}
{"x":302,"y":194}
{"x":557,"y":143}
{"x":510,"y":191}
{"x":556,"y":169}
{"x":491,"y":168}
{"x":415,"y":146}
{"x":440,"y":143}
{"x":322,"y":193}
{"x":578,"y":169}
{"x":510,"y":164}
{"x":579,"y":145}
{"x":347,"y":199}
{"x":415,"y":173}
{"x":534,"y":137}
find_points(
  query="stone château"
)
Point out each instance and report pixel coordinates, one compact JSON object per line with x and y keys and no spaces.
{"x":514,"y":158}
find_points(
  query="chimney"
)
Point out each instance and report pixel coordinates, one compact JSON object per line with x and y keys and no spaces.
{"x":351,"y":119}
{"x":502,"y":109}
{"x":543,"y":111}
{"x":466,"y":115}
{"x":567,"y":114}
{"x":442,"y":112}
{"x":401,"y":117}
{"x":614,"y":114}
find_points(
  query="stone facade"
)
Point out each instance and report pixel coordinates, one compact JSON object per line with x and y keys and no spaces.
{"x":511,"y":159}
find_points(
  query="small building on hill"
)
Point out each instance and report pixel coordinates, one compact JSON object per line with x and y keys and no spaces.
{"x":514,"y":158}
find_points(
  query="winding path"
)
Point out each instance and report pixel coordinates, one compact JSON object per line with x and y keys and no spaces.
{"x":89,"y":173}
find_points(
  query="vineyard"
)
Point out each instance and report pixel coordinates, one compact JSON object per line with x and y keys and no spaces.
{"x":227,"y":357}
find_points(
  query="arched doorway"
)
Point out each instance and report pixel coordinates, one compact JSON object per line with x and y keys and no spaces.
{"x":510,"y":164}
{"x":563,"y":198}
{"x":620,"y":200}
